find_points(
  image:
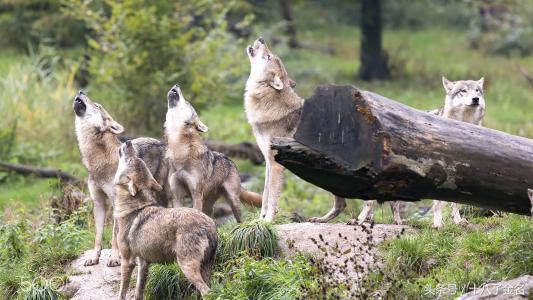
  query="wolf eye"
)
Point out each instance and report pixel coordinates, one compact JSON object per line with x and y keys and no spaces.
{"x":268,"y":57}
{"x":463,"y":91}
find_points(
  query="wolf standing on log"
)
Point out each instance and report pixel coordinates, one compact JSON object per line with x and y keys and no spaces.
{"x":97,"y":135}
{"x":150,"y":233}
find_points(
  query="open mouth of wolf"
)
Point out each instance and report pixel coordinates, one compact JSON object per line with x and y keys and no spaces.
{"x":79,"y":107}
{"x":251,"y":51}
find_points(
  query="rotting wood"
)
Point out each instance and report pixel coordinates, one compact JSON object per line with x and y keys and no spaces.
{"x":358,"y":144}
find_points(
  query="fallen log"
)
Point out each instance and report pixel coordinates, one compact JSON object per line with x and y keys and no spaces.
{"x":40,"y":172}
{"x":358,"y":144}
{"x":244,"y":150}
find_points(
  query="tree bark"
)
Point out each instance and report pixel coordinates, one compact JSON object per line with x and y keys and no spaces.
{"x":373,"y":59}
{"x":358,"y":144}
{"x":286,"y":13}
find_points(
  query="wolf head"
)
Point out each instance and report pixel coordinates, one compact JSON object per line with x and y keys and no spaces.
{"x":464,"y":93}
{"x":266,"y":67}
{"x":180,"y":114}
{"x":91,"y":115}
{"x":132,"y":173}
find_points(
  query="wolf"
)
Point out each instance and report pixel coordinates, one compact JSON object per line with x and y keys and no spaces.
{"x":530,"y":194}
{"x":464,"y":102}
{"x":98,"y":141}
{"x":273,"y":110}
{"x":154,"y":234}
{"x":196,"y":171}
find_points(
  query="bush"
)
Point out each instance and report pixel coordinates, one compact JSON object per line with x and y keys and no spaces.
{"x":31,"y":22}
{"x":167,"y":42}
{"x":166,"y":282}
{"x":255,"y":238}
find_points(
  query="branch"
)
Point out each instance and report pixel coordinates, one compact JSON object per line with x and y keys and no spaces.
{"x":40,"y":172}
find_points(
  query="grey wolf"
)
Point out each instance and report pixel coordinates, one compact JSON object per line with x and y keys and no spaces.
{"x":273,"y":110}
{"x":530,"y":194}
{"x":198,"y":172}
{"x":464,"y":102}
{"x":97,"y":135}
{"x":150,"y":233}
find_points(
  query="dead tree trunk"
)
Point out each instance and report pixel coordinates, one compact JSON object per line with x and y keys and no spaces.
{"x":286,"y":12}
{"x":358,"y":144}
{"x":373,"y":59}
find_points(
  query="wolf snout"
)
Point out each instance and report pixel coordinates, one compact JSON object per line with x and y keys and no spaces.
{"x":261,"y":40}
{"x":475,"y":100}
{"x":250,"y":50}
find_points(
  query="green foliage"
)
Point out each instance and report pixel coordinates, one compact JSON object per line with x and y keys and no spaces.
{"x":254,"y":238}
{"x":166,"y":282}
{"x":40,"y":289}
{"x":503,"y":27}
{"x":30,"y":22}
{"x":248,"y":278}
{"x":185,"y":43}
{"x":32,"y":257}
{"x":491,"y":250}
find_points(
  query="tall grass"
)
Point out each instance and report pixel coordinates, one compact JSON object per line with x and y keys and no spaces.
{"x":35,"y":98}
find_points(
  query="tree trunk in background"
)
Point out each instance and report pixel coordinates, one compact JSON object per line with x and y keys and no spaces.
{"x":286,"y":12}
{"x":373,"y":59}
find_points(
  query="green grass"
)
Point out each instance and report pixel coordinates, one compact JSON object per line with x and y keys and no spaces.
{"x":492,"y":249}
{"x":28,"y":192}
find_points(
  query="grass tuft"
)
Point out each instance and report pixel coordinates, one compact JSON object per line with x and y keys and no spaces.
{"x":254,"y":238}
{"x":166,"y":282}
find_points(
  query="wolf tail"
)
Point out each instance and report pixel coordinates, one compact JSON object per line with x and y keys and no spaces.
{"x":250,"y":198}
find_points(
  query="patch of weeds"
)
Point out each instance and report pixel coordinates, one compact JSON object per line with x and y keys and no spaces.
{"x":166,"y":281}
{"x":255,"y":238}
{"x":246,"y":277}
{"x":39,"y":289}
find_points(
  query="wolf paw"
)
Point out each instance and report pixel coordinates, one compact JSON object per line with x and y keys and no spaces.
{"x":91,"y":262}
{"x":113,"y":262}
{"x":353,"y":222}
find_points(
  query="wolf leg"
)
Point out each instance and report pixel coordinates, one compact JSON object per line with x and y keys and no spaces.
{"x":232,"y":196}
{"x":99,"y":212}
{"x":274,"y":192}
{"x":264,"y":203}
{"x":126,"y":269}
{"x":395,"y":207}
{"x":437,"y":213}
{"x":177,"y":190}
{"x":457,"y":215}
{"x":339,"y":205}
{"x":191,"y":269}
{"x":367,"y":212}
{"x":142,"y":274}
{"x":114,"y":260}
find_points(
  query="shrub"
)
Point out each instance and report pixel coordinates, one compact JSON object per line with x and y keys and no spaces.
{"x":166,"y":282}
{"x":254,"y":238}
{"x":167,"y":42}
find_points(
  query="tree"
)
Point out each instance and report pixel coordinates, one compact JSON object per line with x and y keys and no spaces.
{"x":373,"y":59}
{"x":286,"y":12}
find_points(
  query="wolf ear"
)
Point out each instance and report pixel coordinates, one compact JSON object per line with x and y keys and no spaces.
{"x":276,"y":83}
{"x":115,"y":127}
{"x":155,"y":185}
{"x":481,"y":81}
{"x":292,"y":83}
{"x":448,"y":85}
{"x":200,"y":126}
{"x":132,"y":187}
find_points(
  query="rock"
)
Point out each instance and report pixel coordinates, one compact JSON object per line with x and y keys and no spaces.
{"x":352,"y":241}
{"x":514,"y":289}
{"x":92,"y":282}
